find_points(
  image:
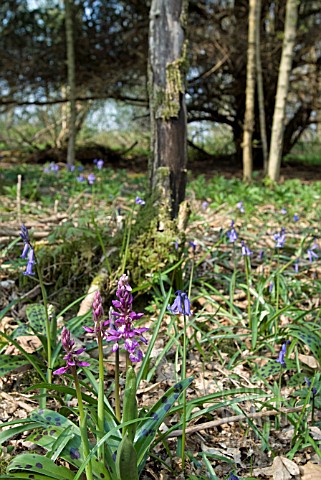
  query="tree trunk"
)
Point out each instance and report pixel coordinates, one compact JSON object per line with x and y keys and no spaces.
{"x":276,"y":144}
{"x":260,"y":88}
{"x":167,"y":71}
{"x":71,"y":82}
{"x":249,"y":95}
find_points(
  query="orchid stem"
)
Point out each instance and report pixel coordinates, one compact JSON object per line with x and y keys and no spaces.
{"x":117,"y":399}
{"x":100,"y":410}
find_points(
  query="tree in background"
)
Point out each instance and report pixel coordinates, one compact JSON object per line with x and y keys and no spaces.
{"x":276,"y":144}
{"x":71,"y":66}
{"x":250,"y":92}
{"x":167,"y":71}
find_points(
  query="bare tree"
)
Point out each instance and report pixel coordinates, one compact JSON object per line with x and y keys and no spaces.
{"x":167,"y":70}
{"x":250,"y":94}
{"x":276,"y":144}
{"x":71,"y":82}
{"x":260,"y":87}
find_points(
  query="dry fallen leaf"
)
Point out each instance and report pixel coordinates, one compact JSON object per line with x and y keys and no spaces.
{"x":285,"y":469}
{"x":310,"y":471}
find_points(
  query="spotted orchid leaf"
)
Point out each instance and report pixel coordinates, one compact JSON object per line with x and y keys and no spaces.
{"x":9,"y":363}
{"x":61,"y":434}
{"x":36,"y":315}
{"x":5,"y":435}
{"x":272,"y":368}
{"x":39,"y":464}
{"x":147,"y":429}
{"x":310,"y":338}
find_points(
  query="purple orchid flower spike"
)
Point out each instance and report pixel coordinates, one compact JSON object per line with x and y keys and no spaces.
{"x":100,"y":325}
{"x":181,"y":305}
{"x":72,"y":354}
{"x":123,"y":317}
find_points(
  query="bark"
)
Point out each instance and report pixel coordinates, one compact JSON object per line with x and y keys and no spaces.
{"x":249,"y":95}
{"x":260,"y":86}
{"x":71,"y":82}
{"x":276,"y":144}
{"x":166,"y":75}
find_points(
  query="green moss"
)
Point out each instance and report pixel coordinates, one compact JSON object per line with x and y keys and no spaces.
{"x":175,"y":85}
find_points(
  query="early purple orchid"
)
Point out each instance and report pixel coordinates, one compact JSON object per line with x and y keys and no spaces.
{"x":123,"y":317}
{"x":100,"y":325}
{"x":72,"y":353}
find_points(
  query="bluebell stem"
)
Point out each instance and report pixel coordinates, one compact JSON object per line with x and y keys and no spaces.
{"x":282,"y":354}
{"x":232,"y":233}
{"x":280,"y":238}
{"x":295,"y":217}
{"x":246,"y":252}
{"x":181,"y":304}
{"x":240,"y":207}
{"x":308,"y":382}
{"x":72,"y":353}
{"x":91,"y":179}
{"x":139,"y":201}
{"x":311,"y":253}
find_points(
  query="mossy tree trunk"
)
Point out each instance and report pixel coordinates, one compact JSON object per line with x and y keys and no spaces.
{"x":167,"y":71}
{"x":71,"y":82}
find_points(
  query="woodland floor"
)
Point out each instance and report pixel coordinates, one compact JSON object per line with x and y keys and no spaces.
{"x":225,"y":436}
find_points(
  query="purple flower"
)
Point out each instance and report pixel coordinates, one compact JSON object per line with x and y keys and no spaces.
{"x":98,"y":314}
{"x":233,"y":477}
{"x":80,"y":178}
{"x":295,"y":217}
{"x":232,"y":234}
{"x":240,"y":207}
{"x":100,"y":164}
{"x":181,"y":304}
{"x":193,"y":245}
{"x":280,"y":238}
{"x":72,"y":353}
{"x":271,"y":286}
{"x":284,"y":211}
{"x":246,"y":252}
{"x":261,"y":254}
{"x":80,"y":168}
{"x":282,"y":354}
{"x":91,"y":179}
{"x":296,"y":265}
{"x":139,"y":201}
{"x":205,"y":205}
{"x":308,"y":382}
{"x":311,"y":253}
{"x":52,"y":167}
{"x":123,"y":318}
{"x":70,"y":167}
{"x":28,"y":251}
{"x":31,"y":262}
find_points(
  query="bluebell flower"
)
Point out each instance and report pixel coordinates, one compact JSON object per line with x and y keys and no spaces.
{"x":91,"y":179}
{"x":240,"y":207}
{"x":280,"y":238}
{"x":80,"y":178}
{"x":232,"y":234}
{"x":282,"y":354}
{"x":205,"y":205}
{"x":139,"y":201}
{"x":311,"y":253}
{"x":271,"y":286}
{"x":31,"y":262}
{"x":261,"y":254}
{"x":100,"y":164}
{"x":246,"y":252}
{"x":193,"y":245}
{"x":296,"y":265}
{"x":69,"y":167}
{"x":181,"y":304}
{"x":295,"y":217}
{"x":284,"y":211}
{"x":80,"y":168}
{"x":233,"y":477}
